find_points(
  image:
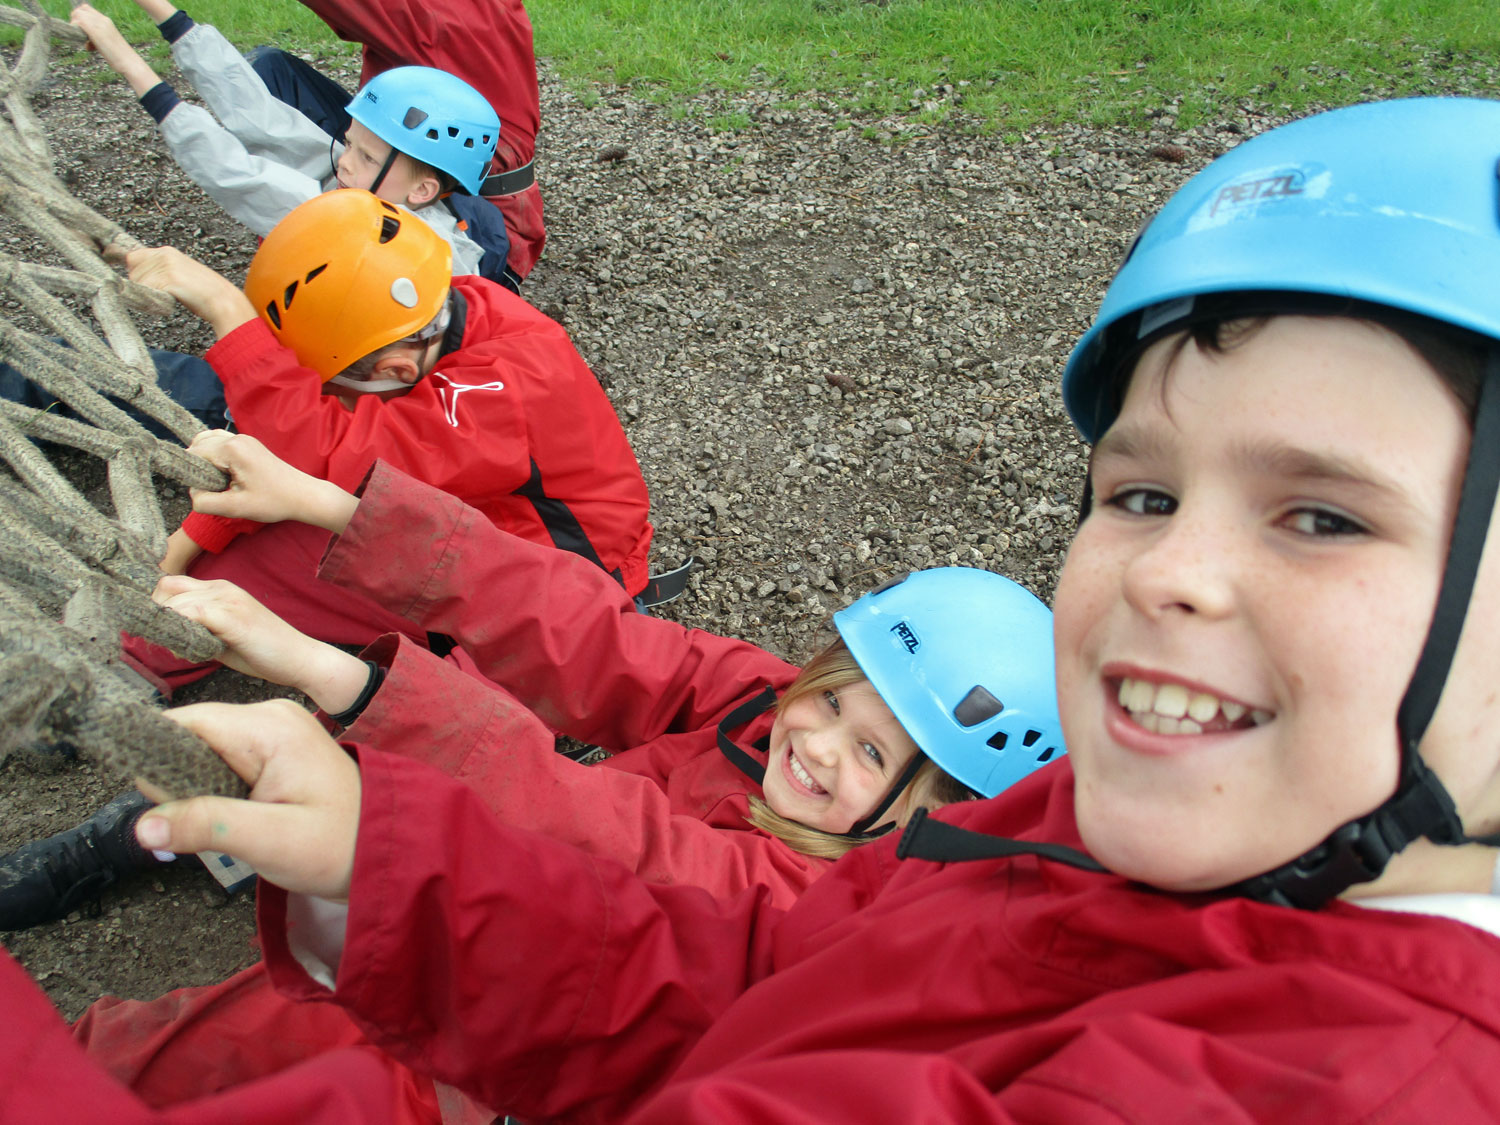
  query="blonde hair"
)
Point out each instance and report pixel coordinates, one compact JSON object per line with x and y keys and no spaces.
{"x":833,"y":669}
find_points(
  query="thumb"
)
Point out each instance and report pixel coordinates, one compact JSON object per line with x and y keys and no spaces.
{"x":284,"y":843}
{"x":198,"y":824}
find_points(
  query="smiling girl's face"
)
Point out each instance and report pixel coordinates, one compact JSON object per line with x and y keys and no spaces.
{"x":1242,"y":609}
{"x":833,"y":756}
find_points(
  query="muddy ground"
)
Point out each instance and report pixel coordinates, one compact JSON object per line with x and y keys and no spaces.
{"x":834,"y":343}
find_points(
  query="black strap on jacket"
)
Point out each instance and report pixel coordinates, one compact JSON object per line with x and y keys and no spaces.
{"x":941,"y":842}
{"x":513,"y":182}
{"x":738,"y":756}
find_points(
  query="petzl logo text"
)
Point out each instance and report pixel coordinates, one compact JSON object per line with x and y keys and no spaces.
{"x":905,"y":635}
{"x":1251,"y":191}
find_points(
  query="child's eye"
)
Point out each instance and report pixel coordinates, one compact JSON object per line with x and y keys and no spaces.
{"x":873,"y":753}
{"x":832,"y":701}
{"x":1143,"y":502}
{"x":1322,"y":523}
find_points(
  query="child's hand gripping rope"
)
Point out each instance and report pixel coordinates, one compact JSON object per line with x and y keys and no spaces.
{"x":298,"y":826}
{"x":264,"y":488}
{"x":260,"y":644}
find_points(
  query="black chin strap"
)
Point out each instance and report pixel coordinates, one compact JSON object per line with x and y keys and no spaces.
{"x":738,"y":756}
{"x":1421,"y":806}
{"x":379,"y":179}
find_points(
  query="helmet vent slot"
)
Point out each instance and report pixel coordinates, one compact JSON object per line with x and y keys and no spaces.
{"x":287,"y":294}
{"x":1031,"y":738}
{"x":312,"y":273}
{"x":1046,"y":755}
{"x":977,"y":706}
{"x":273,"y":314}
{"x":414,"y":117}
{"x":390,"y":226}
{"x":996,"y":740}
{"x":432,"y":135}
{"x":452,"y":132}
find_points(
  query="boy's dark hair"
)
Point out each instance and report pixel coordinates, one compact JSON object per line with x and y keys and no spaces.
{"x":1455,"y":354}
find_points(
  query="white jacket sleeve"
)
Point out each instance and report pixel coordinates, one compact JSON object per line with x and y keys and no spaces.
{"x":264,"y":124}
{"x":256,"y":191}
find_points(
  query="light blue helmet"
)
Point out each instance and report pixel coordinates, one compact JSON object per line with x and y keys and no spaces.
{"x":1392,"y":203}
{"x":434,"y":117}
{"x":963,"y":658}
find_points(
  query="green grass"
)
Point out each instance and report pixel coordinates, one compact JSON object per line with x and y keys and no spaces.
{"x":1010,"y":64}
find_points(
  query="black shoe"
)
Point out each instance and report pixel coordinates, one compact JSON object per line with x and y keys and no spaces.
{"x":49,"y":879}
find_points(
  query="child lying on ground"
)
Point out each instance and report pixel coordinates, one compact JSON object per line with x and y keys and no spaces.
{"x":487,"y":43}
{"x":417,"y":135}
{"x":1282,"y":762}
{"x":719,"y":783}
{"x":350,"y":344}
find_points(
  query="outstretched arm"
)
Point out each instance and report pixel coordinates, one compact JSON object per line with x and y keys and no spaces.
{"x":260,"y":644}
{"x":208,"y":295}
{"x":122,"y":58}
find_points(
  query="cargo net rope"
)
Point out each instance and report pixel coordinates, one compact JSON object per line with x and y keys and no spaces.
{"x":61,"y":677}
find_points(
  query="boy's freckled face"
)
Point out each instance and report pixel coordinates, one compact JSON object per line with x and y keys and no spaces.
{"x":1241,"y":612}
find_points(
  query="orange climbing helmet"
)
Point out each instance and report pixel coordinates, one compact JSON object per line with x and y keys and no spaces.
{"x":345,"y":274}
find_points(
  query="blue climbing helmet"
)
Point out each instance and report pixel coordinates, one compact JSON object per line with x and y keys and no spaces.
{"x":1392,"y":203}
{"x":434,"y":117}
{"x":963,"y":658}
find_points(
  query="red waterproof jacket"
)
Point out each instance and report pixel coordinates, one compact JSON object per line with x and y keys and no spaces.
{"x":557,"y":984}
{"x":512,"y":421}
{"x":486,"y":44}
{"x":567,"y":639}
{"x":558,"y":636}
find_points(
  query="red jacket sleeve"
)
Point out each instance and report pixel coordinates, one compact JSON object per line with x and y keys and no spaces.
{"x":520,"y":969}
{"x":282,"y":404}
{"x":551,"y":628}
{"x":429,"y":710}
{"x":45,"y":1075}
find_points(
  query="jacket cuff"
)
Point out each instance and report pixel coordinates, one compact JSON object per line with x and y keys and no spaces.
{"x":175,"y":26}
{"x":244,"y":345}
{"x":159,"y":101}
{"x":214,"y":533}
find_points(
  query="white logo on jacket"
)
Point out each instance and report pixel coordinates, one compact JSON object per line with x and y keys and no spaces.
{"x":449,"y":392}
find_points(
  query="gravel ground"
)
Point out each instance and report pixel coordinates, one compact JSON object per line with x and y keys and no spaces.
{"x":836,"y":355}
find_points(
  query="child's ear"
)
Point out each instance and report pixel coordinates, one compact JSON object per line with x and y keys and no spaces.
{"x":401,"y":364}
{"x":423,"y":192}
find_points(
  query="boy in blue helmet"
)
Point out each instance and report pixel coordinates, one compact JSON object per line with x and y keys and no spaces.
{"x":1261,"y":886}
{"x":418,"y":136}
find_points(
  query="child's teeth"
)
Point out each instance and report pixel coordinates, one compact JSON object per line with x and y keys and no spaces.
{"x":1202,"y":707}
{"x":1174,"y":709}
{"x":1141,"y":696}
{"x":1171,"y":701}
